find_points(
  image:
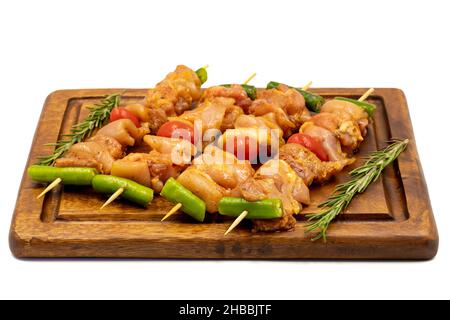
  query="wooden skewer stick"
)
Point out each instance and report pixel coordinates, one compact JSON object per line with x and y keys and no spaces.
{"x":367,"y":94}
{"x":250,"y":78}
{"x":307,"y":86}
{"x":172,"y":211}
{"x":236,"y":222}
{"x":113,"y":197}
{"x":50,"y":187}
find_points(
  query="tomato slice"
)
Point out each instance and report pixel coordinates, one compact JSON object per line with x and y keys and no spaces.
{"x":242,"y":150}
{"x":312,"y":143}
{"x":177,"y":129}
{"x":122,"y":113}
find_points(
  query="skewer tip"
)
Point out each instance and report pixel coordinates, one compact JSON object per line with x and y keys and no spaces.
{"x":113,"y":197}
{"x":366,"y":94}
{"x":236,"y":222}
{"x":307,"y":86}
{"x":172,"y":211}
{"x":250,"y":78}
{"x":49,"y":187}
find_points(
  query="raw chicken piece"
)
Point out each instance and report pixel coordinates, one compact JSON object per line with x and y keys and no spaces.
{"x":176,"y":93}
{"x":235,"y":91}
{"x":134,"y":170}
{"x":223,"y":167}
{"x":347,"y":131}
{"x":115,"y":149}
{"x":232,"y":113}
{"x":210,"y":112}
{"x":180,"y":150}
{"x":273,"y":112}
{"x":275,"y":179}
{"x":87,"y":154}
{"x":329,"y":141}
{"x":286,"y":180}
{"x":203,"y":186}
{"x":287,"y":105}
{"x":140,"y":111}
{"x":124,"y":131}
{"x":285,"y":223}
{"x":150,"y":169}
{"x":348,"y":111}
{"x":261,"y":122}
{"x":308,"y":166}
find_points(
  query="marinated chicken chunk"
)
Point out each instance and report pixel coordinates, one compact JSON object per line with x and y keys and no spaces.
{"x":285,"y":105}
{"x":210,"y":112}
{"x":180,"y":150}
{"x":328,"y":139}
{"x":232,"y":113}
{"x":107,"y":145}
{"x":345,"y":111}
{"x":115,"y":149}
{"x":235,"y":91}
{"x":347,"y":131}
{"x":275,"y":179}
{"x":176,"y":93}
{"x":204,"y":187}
{"x":150,"y":169}
{"x":87,"y":154}
{"x":124,"y":131}
{"x":308,"y":166}
{"x":223,"y":167}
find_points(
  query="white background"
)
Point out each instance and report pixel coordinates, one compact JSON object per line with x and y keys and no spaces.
{"x":48,"y":45}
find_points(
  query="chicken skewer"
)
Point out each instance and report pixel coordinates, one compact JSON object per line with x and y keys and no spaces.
{"x":244,"y":214}
{"x":97,"y":116}
{"x":179,"y":205}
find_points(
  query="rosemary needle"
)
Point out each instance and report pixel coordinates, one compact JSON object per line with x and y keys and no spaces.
{"x":98,"y":114}
{"x":343,"y":194}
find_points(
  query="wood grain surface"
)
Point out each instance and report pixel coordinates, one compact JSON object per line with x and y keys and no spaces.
{"x":391,"y":220}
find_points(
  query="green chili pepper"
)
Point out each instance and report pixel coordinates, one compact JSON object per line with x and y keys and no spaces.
{"x":249,"y":90}
{"x":202,"y":75}
{"x":264,"y":209}
{"x":175,"y":192}
{"x":133,"y":191}
{"x":368,"y":107}
{"x":313,"y":101}
{"x":272,"y":85}
{"x":68,"y":175}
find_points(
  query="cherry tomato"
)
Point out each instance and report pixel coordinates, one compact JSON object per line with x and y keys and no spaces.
{"x":242,"y":148}
{"x":177,"y":129}
{"x":312,"y":143}
{"x":122,"y":113}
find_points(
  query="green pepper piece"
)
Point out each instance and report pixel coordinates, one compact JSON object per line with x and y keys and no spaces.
{"x":68,"y":175}
{"x":272,"y":85}
{"x":250,"y":90}
{"x":202,"y":75}
{"x":175,"y":192}
{"x":133,"y":191}
{"x":264,"y":209}
{"x":368,"y":107}
{"x":313,"y":101}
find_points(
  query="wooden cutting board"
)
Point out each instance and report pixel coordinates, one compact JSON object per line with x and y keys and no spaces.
{"x":391,"y":220}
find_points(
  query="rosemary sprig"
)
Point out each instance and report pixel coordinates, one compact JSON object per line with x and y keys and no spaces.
{"x":98,"y":114}
{"x":361,"y":178}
